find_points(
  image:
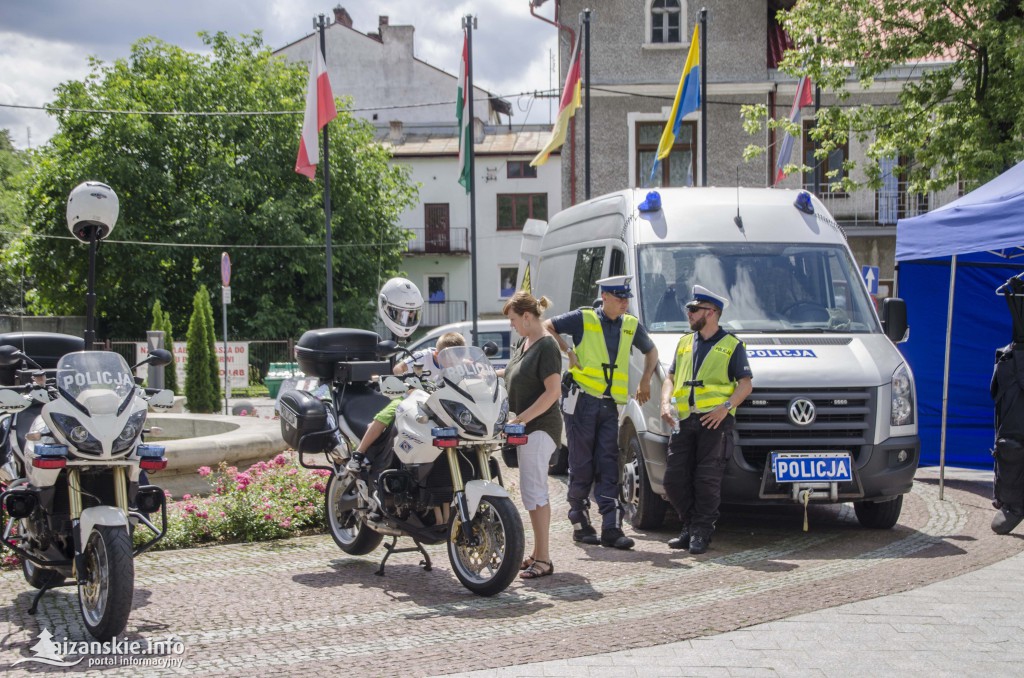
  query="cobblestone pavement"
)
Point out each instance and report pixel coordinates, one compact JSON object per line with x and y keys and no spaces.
{"x":301,"y":606}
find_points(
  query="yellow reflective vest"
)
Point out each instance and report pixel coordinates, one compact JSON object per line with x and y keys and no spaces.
{"x":593,"y":356}
{"x":714,"y":373}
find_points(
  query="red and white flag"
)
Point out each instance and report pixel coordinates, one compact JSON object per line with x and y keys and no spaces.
{"x":803,"y":98}
{"x":320,"y":110}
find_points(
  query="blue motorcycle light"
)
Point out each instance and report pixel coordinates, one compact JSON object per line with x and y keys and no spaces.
{"x":444,"y":432}
{"x":150,"y":451}
{"x":51,"y":450}
{"x":515,"y":429}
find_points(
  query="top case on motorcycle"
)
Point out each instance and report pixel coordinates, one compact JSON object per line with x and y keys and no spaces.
{"x":360,"y":405}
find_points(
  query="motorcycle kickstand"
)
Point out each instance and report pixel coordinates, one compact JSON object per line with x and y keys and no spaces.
{"x":390,"y":548}
{"x":39,"y":594}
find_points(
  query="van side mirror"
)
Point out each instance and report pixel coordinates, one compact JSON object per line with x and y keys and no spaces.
{"x":894,"y":319}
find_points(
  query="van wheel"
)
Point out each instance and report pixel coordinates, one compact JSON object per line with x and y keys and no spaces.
{"x":559,"y":461}
{"x":510,"y":456}
{"x":878,"y":515}
{"x":644,"y":508}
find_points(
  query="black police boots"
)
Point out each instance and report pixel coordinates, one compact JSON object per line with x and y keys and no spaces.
{"x":682,"y":541}
{"x":1006,"y":519}
{"x":699,"y":544}
{"x":586,"y":534}
{"x":614,"y":538}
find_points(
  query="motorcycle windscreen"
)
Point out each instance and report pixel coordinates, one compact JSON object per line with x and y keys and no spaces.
{"x":467,"y":366}
{"x":95,"y":379}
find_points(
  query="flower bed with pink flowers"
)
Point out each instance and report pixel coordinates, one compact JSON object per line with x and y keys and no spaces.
{"x":270,"y":500}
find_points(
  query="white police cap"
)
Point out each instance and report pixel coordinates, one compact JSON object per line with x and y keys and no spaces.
{"x":617,"y":285}
{"x":701,"y":293}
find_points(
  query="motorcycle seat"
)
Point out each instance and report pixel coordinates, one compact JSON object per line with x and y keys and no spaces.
{"x":360,"y":405}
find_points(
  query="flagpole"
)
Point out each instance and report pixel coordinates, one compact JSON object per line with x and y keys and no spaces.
{"x":704,"y":96}
{"x":586,"y":117}
{"x":468,"y":24}
{"x":327,"y":195}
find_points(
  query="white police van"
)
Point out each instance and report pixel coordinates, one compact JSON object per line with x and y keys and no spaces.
{"x":832,"y":417}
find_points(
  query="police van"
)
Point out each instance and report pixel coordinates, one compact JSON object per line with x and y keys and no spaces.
{"x":832,"y":417}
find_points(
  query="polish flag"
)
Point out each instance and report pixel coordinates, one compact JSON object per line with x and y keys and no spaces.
{"x":320,"y":110}
{"x":803,"y":98}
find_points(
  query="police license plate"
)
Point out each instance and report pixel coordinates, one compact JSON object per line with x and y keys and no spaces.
{"x":812,"y":467}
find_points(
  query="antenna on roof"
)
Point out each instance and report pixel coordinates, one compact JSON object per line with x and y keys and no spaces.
{"x":738,"y":220}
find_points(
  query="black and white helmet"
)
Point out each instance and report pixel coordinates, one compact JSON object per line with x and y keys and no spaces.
{"x":399,"y":305}
{"x":92,"y":204}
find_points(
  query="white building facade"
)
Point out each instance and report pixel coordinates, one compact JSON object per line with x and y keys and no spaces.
{"x":412,"y":106}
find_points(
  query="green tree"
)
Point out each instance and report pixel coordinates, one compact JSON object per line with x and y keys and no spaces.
{"x":162,"y":323}
{"x":202,"y":387}
{"x":958,"y":120}
{"x":219,"y":180}
{"x":13,"y":166}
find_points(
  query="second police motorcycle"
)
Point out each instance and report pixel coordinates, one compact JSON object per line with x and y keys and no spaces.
{"x":431,"y":476}
{"x":72,"y":457}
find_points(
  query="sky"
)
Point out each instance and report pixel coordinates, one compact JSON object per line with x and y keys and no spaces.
{"x":46,"y":42}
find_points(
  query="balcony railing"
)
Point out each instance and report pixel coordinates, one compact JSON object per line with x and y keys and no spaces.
{"x":443,"y":312}
{"x":437,"y":241}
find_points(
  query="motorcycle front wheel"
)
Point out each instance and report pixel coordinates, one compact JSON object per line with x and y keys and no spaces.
{"x":107,"y":582}
{"x":486,"y":553}
{"x":344,"y":522}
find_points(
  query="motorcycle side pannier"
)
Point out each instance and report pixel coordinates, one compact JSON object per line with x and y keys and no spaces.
{"x":302,"y":414}
{"x":318,"y":351}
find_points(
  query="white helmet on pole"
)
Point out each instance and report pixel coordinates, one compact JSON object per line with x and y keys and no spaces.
{"x":399,"y":305}
{"x":92,"y":204}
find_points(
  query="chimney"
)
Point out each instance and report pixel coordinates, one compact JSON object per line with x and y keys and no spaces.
{"x":395,"y":135}
{"x":342,"y":17}
{"x":478,"y":131}
{"x":382,"y":20}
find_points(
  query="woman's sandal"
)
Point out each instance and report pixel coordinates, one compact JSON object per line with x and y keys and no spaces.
{"x":527,"y":562}
{"x":536,"y":570}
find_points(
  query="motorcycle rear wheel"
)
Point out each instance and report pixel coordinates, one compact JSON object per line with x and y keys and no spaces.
{"x":344,"y":522}
{"x":105,"y":594}
{"x":493,"y":563}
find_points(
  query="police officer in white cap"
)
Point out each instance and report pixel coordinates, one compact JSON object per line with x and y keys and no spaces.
{"x":599,"y":369}
{"x":709,"y":378}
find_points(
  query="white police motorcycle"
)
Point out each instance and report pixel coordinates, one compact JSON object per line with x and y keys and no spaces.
{"x":433,"y":477}
{"x":72,"y":455}
{"x":73,"y":497}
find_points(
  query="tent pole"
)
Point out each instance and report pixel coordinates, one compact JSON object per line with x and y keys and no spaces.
{"x":945,"y":379}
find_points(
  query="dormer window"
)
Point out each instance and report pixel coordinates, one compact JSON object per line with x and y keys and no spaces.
{"x":666,"y":19}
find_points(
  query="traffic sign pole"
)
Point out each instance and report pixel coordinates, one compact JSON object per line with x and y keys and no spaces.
{"x":225,"y":279}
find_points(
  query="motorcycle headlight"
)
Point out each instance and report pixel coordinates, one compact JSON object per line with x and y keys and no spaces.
{"x":502,"y":413}
{"x":464,"y":417}
{"x":76,"y":434}
{"x":901,"y":412}
{"x":130,"y":432}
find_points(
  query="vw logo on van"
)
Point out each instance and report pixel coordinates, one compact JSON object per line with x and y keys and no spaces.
{"x":801,"y":411}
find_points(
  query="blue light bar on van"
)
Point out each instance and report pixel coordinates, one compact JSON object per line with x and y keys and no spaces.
{"x":652,"y":203}
{"x":803,"y":202}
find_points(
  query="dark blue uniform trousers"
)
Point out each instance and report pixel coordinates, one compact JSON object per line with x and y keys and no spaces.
{"x":592,"y":433}
{"x":693,"y":472}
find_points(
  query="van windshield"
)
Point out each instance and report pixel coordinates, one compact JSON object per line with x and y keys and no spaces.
{"x":771,"y":287}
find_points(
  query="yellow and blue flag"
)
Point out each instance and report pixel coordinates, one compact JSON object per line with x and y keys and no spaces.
{"x":687,"y":99}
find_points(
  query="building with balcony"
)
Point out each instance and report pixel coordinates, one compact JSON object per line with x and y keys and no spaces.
{"x":638,"y":48}
{"x":395,"y":92}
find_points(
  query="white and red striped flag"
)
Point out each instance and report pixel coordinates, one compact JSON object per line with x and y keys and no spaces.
{"x":803,"y":98}
{"x":320,"y":110}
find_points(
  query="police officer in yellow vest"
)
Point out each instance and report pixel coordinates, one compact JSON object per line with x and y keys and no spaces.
{"x":709,"y":378}
{"x":590,"y":404}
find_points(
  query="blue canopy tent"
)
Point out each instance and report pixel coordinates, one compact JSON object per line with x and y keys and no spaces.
{"x":950,"y":262}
